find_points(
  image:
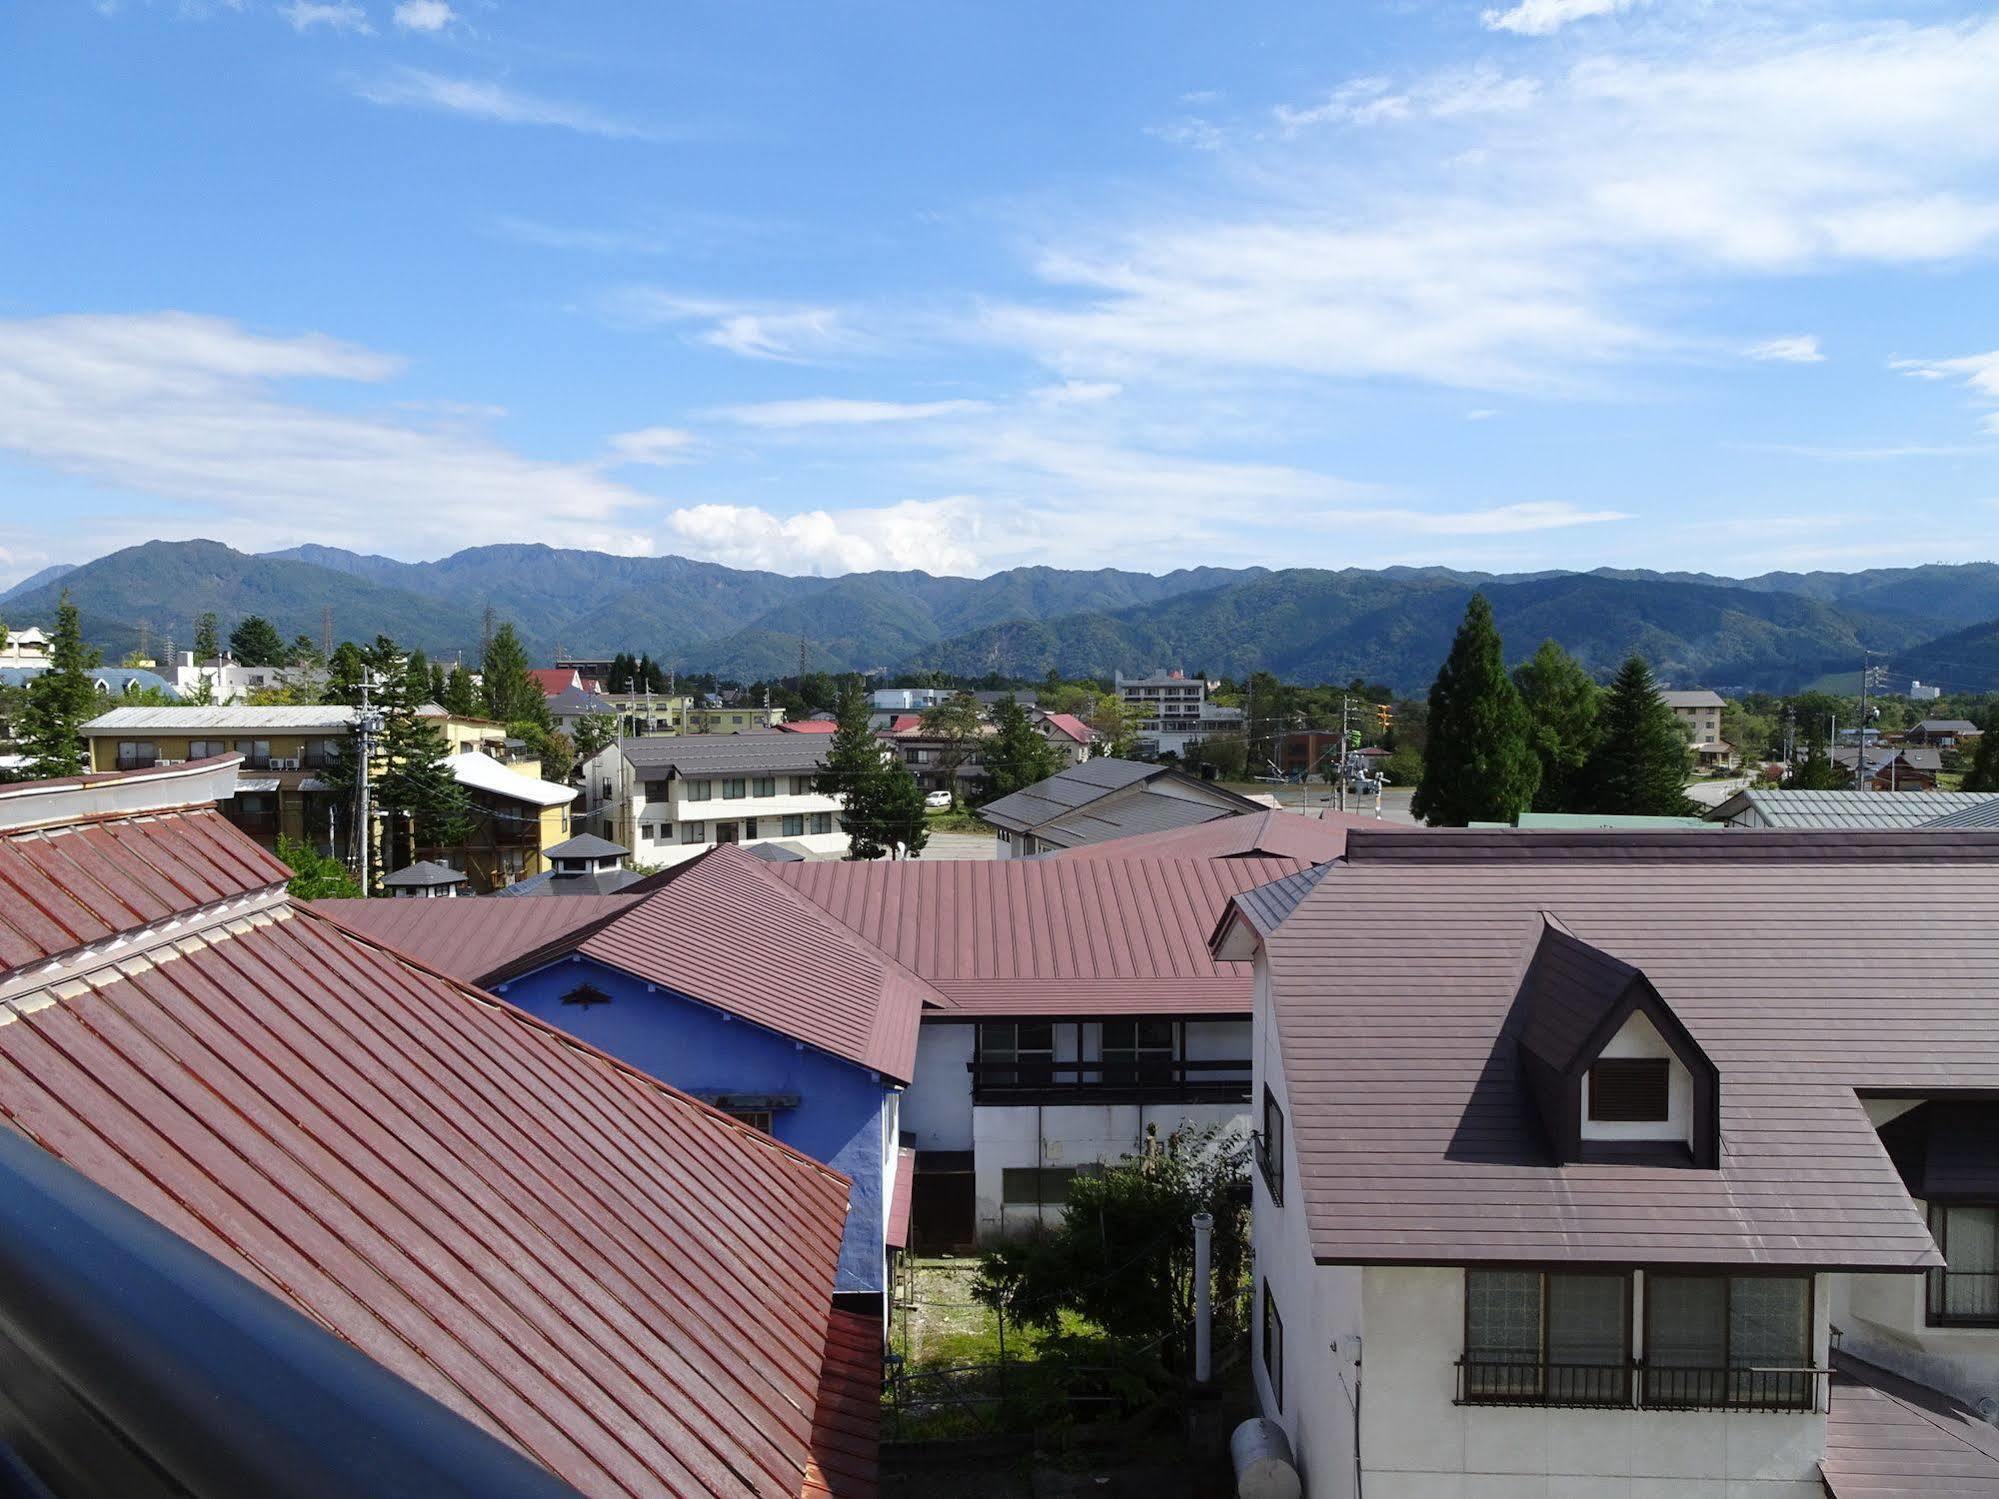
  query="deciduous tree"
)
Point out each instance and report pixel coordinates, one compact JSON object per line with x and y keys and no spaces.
{"x":1984,"y":772}
{"x":1016,"y":755}
{"x":959,"y":725}
{"x":1479,"y":765}
{"x":1561,"y":701}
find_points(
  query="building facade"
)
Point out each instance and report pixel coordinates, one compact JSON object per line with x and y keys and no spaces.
{"x":1171,"y":710}
{"x":670,"y":798}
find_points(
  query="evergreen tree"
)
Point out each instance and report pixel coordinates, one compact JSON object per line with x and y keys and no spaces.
{"x":60,"y":702}
{"x":1479,"y":765}
{"x":255,"y":642}
{"x":437,"y":683}
{"x":305,"y":652}
{"x":422,"y":804}
{"x":207,"y":639}
{"x":1016,"y":755}
{"x":1984,"y":772}
{"x":460,"y":697}
{"x":511,"y":695}
{"x":621,"y":673}
{"x":1562,"y":703}
{"x":1639,"y":767}
{"x":855,"y":772}
{"x":344,"y":670}
{"x":902,"y":821}
{"x":1817,"y":773}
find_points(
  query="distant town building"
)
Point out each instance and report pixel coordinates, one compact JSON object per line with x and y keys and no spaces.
{"x":26,"y":649}
{"x":425,"y":880}
{"x":1699,"y":713}
{"x":1171,"y":710}
{"x":668,"y":798}
{"x":1102,"y":799}
{"x":1923,"y":692}
{"x":1944,"y":733}
{"x":228,"y":682}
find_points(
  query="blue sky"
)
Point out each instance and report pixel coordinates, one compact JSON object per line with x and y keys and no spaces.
{"x":827,"y":286}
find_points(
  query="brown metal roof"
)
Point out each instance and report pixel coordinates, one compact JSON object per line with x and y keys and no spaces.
{"x":846,"y":1428}
{"x":1267,"y":834}
{"x":1888,"y":1438}
{"x":1805,"y":967}
{"x":1049,"y":937}
{"x":627,"y":1285}
{"x":66,"y":887}
{"x":475,"y":940}
{"x":726,"y":930}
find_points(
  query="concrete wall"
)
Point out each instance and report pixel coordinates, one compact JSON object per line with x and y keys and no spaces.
{"x":845,"y":1114}
{"x":1415,"y":1443}
{"x":938,"y":1106}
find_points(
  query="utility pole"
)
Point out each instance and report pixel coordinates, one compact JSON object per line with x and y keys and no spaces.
{"x":1860,"y":782}
{"x":326,"y":631}
{"x":367,"y":724}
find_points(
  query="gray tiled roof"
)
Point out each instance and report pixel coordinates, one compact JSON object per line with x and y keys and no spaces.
{"x":1982,"y":812}
{"x":424,"y":873}
{"x":1128,"y":816}
{"x":698,"y":755}
{"x":586,"y":846}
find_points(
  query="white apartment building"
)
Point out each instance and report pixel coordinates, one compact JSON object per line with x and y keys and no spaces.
{"x":230,"y":683}
{"x":666,"y":799}
{"x":1567,"y":1189}
{"x":26,"y":649}
{"x":1172,"y":710}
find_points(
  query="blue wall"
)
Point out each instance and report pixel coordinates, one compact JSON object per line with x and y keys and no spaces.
{"x":702,"y":1050}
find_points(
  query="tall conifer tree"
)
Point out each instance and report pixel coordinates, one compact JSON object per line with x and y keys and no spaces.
{"x":1562,"y":703}
{"x":1479,"y":765}
{"x":1639,"y":768}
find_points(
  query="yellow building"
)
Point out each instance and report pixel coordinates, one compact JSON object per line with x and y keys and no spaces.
{"x":659,"y":713}
{"x":281,"y":790}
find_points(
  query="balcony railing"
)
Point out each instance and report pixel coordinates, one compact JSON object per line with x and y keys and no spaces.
{"x":1505,"y":1381}
{"x":1165,"y":1080}
{"x":1964,"y":1298}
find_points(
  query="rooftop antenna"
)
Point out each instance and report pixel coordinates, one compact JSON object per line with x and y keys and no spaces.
{"x":326,"y":630}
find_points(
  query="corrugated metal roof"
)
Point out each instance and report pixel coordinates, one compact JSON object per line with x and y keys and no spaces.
{"x":1069,"y":725}
{"x":1889,"y":1438}
{"x":333,"y":717}
{"x":810,"y":978}
{"x":898,"y":1207}
{"x":1266,"y":834}
{"x":628,"y":1286}
{"x":1983,"y":813}
{"x":1849,"y":809}
{"x":1066,"y":790}
{"x":846,"y":1430}
{"x":1049,"y":937}
{"x":698,"y":755}
{"x":1128,"y":816}
{"x":480,"y":771}
{"x":1805,"y":966}
{"x":474,"y":940}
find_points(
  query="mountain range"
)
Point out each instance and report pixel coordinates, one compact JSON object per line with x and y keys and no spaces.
{"x":1777,"y":631}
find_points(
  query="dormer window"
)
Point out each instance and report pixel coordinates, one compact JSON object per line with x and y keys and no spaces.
{"x":1630,"y":1090}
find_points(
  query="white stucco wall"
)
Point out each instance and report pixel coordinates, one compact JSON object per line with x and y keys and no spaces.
{"x":937,"y":1109}
{"x":1638,"y":1037}
{"x":1416,"y":1444}
{"x":1007,"y":1135}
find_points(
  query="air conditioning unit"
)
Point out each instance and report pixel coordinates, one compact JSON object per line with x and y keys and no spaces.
{"x":284,"y":762}
{"x":158,"y":763}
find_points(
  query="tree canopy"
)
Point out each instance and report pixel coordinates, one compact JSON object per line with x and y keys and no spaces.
{"x":959,"y":724}
{"x":1480,"y":764}
{"x":61,"y":700}
{"x":510,"y":694}
{"x":881,"y":806}
{"x":256,"y":642}
{"x":1562,"y":702}
{"x":1017,"y":755}
{"x":1639,"y":766}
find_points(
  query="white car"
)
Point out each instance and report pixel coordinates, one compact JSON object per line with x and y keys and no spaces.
{"x":937,"y":799}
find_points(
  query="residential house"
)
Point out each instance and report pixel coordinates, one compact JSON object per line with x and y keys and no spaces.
{"x":928,"y":755}
{"x":1699,"y":714}
{"x":573,"y":704}
{"x":518,"y":820}
{"x":228,"y":682}
{"x":909,"y":699}
{"x":1171,"y":710}
{"x":1761,"y":808}
{"x":667,"y":799}
{"x":556,"y":680}
{"x":26,"y":650}
{"x":593,"y":671}
{"x":1587,"y":1192}
{"x":424,"y":880}
{"x":585,"y":865}
{"x":1907,"y":767}
{"x":1070,"y":738}
{"x":110,"y":681}
{"x":510,"y":1240}
{"x":1944,"y":733}
{"x":1105,"y":798}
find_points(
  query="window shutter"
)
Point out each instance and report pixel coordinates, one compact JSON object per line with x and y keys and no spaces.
{"x":1629,"y":1090}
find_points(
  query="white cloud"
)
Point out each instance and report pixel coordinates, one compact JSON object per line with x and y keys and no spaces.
{"x":1800,"y":348}
{"x":1077,"y":392}
{"x":304,"y":15}
{"x":417,"y":88}
{"x":1517,"y":230}
{"x":652,"y":445}
{"x":1496,"y":520}
{"x":1191,"y":131}
{"x":191,"y":410}
{"x":1979,"y":372}
{"x":424,"y":15}
{"x":785,"y":333}
{"x":938,"y":536}
{"x":1540,"y":17}
{"x":828,"y":411}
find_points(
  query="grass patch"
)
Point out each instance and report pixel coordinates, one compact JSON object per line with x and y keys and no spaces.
{"x":963,"y":820}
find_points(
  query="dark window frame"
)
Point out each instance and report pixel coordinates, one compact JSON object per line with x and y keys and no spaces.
{"x":1270,"y":1147}
{"x":1272,"y":1350}
{"x":1936,"y":1283}
{"x":1592,"y":1392}
{"x":1806,"y":1385}
{"x":1628,"y":1098}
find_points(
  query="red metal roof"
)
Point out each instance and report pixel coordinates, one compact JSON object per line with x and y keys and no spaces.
{"x":846,"y":1430}
{"x":1035,"y":936}
{"x":66,"y":887}
{"x":1268,"y":834}
{"x":905,"y":723}
{"x":625,"y":1284}
{"x":1395,"y":989}
{"x":728,"y":932}
{"x":554,"y":679}
{"x":1071,"y":725}
{"x":808,"y":726}
{"x":474,"y":939}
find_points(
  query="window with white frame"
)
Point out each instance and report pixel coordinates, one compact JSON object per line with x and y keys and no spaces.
{"x":694,"y":832}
